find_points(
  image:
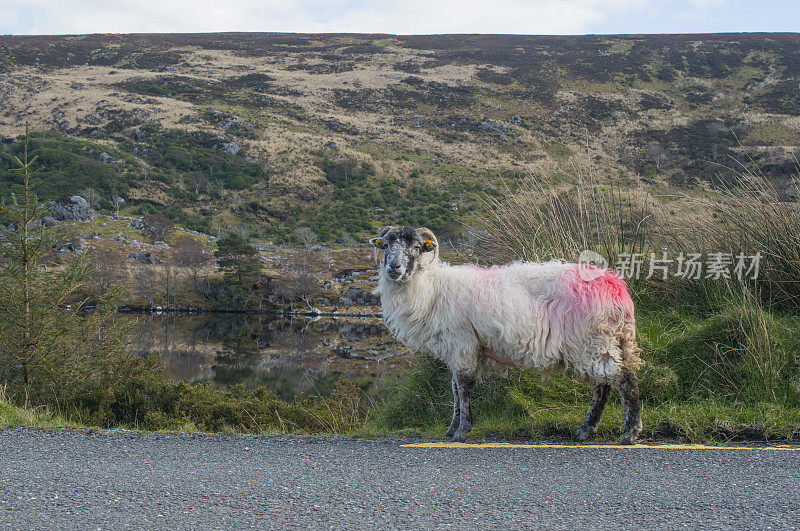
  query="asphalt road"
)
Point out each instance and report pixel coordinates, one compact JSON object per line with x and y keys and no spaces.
{"x":71,"y":479}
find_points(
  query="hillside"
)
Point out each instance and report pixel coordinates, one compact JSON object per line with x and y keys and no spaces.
{"x":345,"y":133}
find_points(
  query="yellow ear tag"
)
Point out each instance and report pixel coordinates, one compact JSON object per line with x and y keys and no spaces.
{"x":428,"y":246}
{"x":377,"y":242}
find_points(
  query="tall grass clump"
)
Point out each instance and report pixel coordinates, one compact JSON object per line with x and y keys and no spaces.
{"x":540,"y":221}
{"x":740,"y":353}
{"x":750,"y":217}
{"x":755,"y":366}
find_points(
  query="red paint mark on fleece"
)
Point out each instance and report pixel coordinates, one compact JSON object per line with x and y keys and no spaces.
{"x":600,"y":287}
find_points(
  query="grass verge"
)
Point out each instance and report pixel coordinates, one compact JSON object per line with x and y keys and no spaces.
{"x":520,"y":405}
{"x":727,"y":374}
{"x":14,"y":416}
{"x":156,"y":404}
{"x":712,"y":375}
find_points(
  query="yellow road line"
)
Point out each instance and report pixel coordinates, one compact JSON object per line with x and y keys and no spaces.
{"x":593,"y":446}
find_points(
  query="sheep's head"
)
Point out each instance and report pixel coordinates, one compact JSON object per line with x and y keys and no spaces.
{"x":403,"y":250}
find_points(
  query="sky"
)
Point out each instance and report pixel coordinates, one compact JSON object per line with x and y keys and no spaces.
{"x":552,"y":17}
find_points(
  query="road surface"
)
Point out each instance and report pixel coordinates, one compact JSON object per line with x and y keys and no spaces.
{"x":71,"y":478}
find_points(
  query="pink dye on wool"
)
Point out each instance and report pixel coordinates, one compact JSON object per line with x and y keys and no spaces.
{"x":592,"y":288}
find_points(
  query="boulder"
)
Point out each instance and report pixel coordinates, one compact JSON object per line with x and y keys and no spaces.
{"x":360,"y":297}
{"x":75,"y":245}
{"x":145,"y":257}
{"x":231,"y":148}
{"x":79,"y":245}
{"x":71,"y":208}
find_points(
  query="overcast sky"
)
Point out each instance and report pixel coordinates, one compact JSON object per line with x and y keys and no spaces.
{"x":398,"y":16}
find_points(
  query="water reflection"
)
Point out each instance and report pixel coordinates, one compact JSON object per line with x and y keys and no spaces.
{"x":291,"y":356}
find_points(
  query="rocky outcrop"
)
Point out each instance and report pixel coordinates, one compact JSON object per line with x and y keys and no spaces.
{"x":145,"y":257}
{"x":337,"y":126}
{"x":71,"y":208}
{"x":359,"y":297}
{"x":75,"y":245}
{"x":232,"y":124}
{"x":231,"y":148}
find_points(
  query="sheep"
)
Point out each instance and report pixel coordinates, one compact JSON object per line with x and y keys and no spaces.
{"x":546,"y":317}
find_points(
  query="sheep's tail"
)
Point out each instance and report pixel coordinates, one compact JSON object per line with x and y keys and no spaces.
{"x":606,"y":292}
{"x":631,"y":353}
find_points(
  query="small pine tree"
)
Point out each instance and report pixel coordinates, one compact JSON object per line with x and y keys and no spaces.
{"x":49,"y":348}
{"x":237,"y":259}
{"x":240,"y":266}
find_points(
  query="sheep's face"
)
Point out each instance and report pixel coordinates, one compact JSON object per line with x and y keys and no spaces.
{"x":402,"y":248}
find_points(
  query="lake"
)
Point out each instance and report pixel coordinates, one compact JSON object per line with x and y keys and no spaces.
{"x":292,"y":356}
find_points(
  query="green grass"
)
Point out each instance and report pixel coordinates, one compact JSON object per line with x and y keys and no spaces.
{"x":13,"y":416}
{"x":525,"y":406}
{"x":153,"y":403}
{"x":707,"y":378}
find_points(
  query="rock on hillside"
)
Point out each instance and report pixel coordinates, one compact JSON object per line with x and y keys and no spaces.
{"x":71,"y":208}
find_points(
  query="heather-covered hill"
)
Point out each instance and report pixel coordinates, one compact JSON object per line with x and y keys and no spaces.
{"x":343,"y":133}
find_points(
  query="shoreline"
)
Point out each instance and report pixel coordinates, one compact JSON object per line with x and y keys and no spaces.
{"x":191,"y":310}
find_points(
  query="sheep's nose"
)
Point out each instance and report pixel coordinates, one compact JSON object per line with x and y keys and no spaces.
{"x":393,"y":268}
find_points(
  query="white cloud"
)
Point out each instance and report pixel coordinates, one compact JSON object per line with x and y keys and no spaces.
{"x":380,"y":16}
{"x":706,"y":4}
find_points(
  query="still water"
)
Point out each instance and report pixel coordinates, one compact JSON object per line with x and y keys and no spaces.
{"x":292,"y":356}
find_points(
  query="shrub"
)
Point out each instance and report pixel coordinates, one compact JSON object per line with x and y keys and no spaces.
{"x":157,"y":226}
{"x":154,"y":403}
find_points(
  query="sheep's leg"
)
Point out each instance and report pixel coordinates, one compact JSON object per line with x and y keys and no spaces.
{"x":465,"y":385}
{"x":601,"y":392}
{"x":629,"y":391}
{"x":456,"y":409}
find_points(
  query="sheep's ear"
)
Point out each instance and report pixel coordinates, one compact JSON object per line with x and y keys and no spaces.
{"x":429,"y":246}
{"x":376,"y":242}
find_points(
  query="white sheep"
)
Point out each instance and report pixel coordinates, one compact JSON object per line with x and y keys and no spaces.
{"x":541,"y":316}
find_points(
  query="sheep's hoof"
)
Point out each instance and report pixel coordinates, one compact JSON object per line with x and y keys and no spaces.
{"x":584,"y":433}
{"x":459,"y":437}
{"x":627,"y":438}
{"x":451,"y":430}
